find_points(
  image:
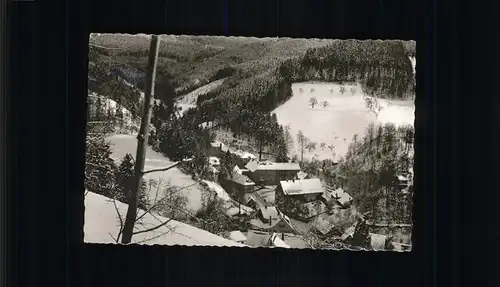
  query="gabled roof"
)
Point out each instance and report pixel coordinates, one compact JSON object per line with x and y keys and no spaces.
{"x":305,"y":186}
{"x":269,"y":212}
{"x":344,"y":198}
{"x":277,"y":242}
{"x":302,"y":175}
{"x":241,"y":179}
{"x":322,"y":225}
{"x":337,"y":193}
{"x":255,"y":165}
{"x":377,"y":241}
{"x":237,"y":236}
{"x":258,"y":238}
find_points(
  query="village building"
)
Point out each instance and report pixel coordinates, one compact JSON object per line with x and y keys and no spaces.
{"x":238,"y":185}
{"x":302,"y":175}
{"x":378,"y":241}
{"x":340,"y":196}
{"x":238,"y":157}
{"x":271,"y":173}
{"x":215,"y":149}
{"x":276,"y":222}
{"x":237,"y":236}
{"x":306,"y":190}
{"x":265,"y":239}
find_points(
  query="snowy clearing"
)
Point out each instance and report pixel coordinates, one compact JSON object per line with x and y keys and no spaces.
{"x":343,"y":117}
{"x":188,"y":101}
{"x":123,"y":144}
{"x":102,"y":224}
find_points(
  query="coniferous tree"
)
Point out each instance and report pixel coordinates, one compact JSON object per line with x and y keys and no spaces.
{"x":99,"y":167}
{"x":125,"y":182}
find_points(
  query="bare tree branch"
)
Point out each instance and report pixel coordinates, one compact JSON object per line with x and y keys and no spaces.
{"x":121,"y":220}
{"x":163,"y":169}
{"x":153,"y":228}
{"x":154,"y":205}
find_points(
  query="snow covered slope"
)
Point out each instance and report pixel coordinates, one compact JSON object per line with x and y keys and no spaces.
{"x":336,"y":123}
{"x":101,"y":221}
{"x":189,"y":100}
{"x":123,"y":144}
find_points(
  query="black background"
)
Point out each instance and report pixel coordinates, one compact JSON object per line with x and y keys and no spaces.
{"x":455,"y":237}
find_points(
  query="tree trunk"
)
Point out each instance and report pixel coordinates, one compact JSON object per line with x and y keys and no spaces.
{"x":142,"y":141}
{"x":260,"y":148}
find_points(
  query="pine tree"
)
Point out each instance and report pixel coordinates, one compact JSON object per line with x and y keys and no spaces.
{"x":99,"y":167}
{"x":124,"y":177}
{"x":99,"y":109}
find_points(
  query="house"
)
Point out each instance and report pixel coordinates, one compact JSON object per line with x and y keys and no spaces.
{"x":378,"y":241}
{"x":402,"y":182}
{"x":306,"y":190}
{"x":214,"y":161}
{"x":237,"y":236}
{"x":323,"y":226}
{"x":279,"y":224}
{"x":238,"y":185}
{"x":342,"y":197}
{"x":265,"y":239}
{"x":270,"y":173}
{"x":302,"y":175}
{"x":215,"y":149}
{"x":258,"y":238}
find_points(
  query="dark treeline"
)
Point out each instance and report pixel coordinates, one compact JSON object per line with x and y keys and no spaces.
{"x":370,"y":170}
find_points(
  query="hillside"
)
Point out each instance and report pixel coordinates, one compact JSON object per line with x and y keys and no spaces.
{"x":101,"y":223}
{"x":336,"y":124}
{"x":195,"y":61}
{"x":123,"y":144}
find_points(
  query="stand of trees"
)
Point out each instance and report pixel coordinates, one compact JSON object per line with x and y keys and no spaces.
{"x":369,"y":171}
{"x":103,"y":176}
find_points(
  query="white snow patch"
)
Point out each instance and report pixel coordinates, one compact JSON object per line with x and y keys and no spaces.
{"x":336,"y":124}
{"x":123,"y":144}
{"x":102,"y":222}
{"x":413,"y":61}
{"x":188,"y":101}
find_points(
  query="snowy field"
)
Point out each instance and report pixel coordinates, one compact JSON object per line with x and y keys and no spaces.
{"x":189,"y":100}
{"x":336,"y":124}
{"x":123,"y":144}
{"x":102,"y":224}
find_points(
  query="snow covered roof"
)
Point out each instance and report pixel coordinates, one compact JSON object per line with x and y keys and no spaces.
{"x":258,"y":238}
{"x":214,"y":160}
{"x":237,"y":170}
{"x":102,"y":222}
{"x":344,"y":199}
{"x":337,"y":192}
{"x":278,"y":242}
{"x":377,"y":241}
{"x":217,"y":144}
{"x":402,"y":178}
{"x":302,"y":175}
{"x":304,"y":186}
{"x":269,"y":212}
{"x":237,"y":236}
{"x":255,"y":165}
{"x":242,"y":179}
{"x":322,"y":225}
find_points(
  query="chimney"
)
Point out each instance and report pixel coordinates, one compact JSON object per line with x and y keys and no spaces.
{"x":283,"y":236}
